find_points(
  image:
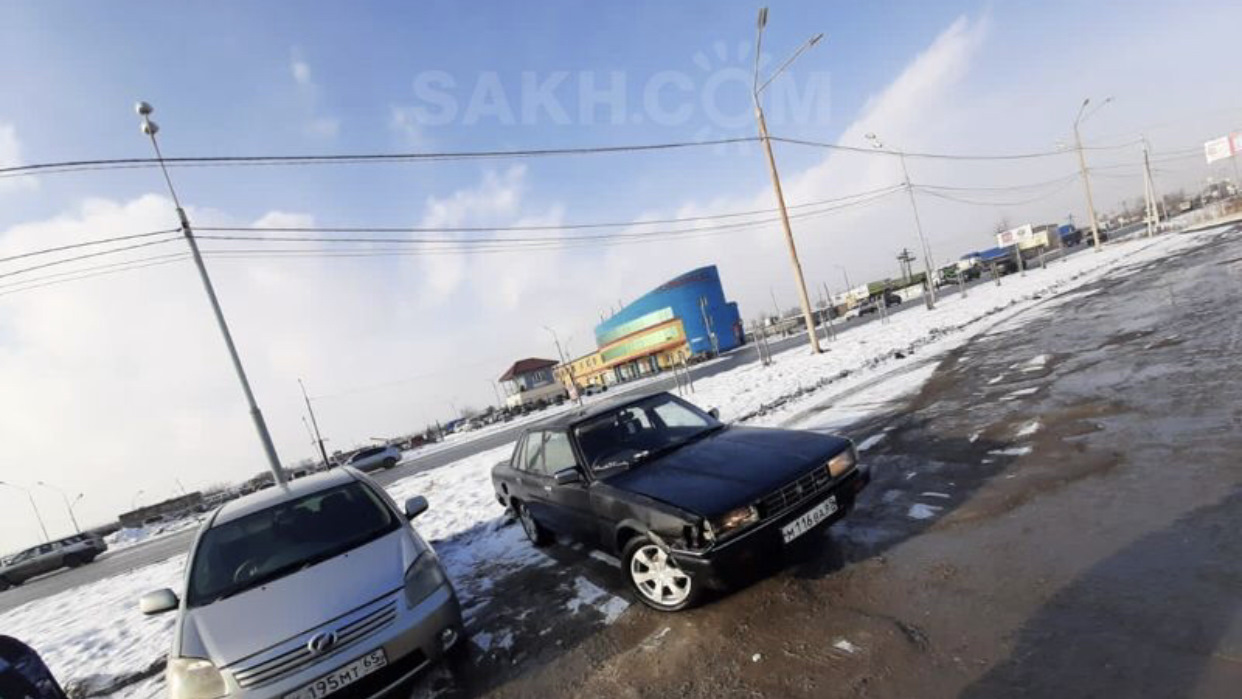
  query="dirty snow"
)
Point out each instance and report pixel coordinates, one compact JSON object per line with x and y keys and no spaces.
{"x":1029,"y":428}
{"x":589,"y":595}
{"x":1036,"y":363}
{"x":920,"y":511}
{"x":1011,"y":451}
{"x":871,"y":441}
{"x":131,"y":536}
{"x":1020,"y":393}
{"x":844,"y":645}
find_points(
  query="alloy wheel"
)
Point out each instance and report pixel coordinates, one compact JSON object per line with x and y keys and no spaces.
{"x":658,"y":578}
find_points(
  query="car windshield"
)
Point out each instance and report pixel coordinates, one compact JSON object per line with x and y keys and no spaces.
{"x":641,"y":430}
{"x":275,"y":542}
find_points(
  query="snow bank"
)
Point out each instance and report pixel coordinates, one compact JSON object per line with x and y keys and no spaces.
{"x":130,"y":536}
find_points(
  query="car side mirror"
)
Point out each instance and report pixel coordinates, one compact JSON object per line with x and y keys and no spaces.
{"x":567,"y":476}
{"x":415,"y":506}
{"x":158,"y":602}
{"x":715,"y":413}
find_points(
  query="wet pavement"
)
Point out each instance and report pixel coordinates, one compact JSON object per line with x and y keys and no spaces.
{"x":1058,"y":512}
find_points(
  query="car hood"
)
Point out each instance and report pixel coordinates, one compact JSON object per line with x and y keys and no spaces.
{"x":729,"y":469}
{"x":255,"y":620}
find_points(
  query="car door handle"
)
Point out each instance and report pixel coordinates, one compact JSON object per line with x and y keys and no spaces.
{"x":547,"y":488}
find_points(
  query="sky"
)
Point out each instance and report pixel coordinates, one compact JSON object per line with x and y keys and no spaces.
{"x":118,"y":386}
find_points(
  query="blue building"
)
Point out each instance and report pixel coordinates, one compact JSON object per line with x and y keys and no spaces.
{"x":684,"y":317}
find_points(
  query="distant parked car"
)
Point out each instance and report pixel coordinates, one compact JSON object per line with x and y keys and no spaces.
{"x":317,"y":587}
{"x":69,"y":552}
{"x":684,"y":500}
{"x":873,"y":305}
{"x":592,"y":389}
{"x":374,"y":458}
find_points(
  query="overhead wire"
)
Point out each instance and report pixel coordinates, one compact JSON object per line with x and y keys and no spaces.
{"x":87,"y":243}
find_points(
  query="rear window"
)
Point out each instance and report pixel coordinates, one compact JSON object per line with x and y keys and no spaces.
{"x":366,"y":453}
{"x":281,"y":540}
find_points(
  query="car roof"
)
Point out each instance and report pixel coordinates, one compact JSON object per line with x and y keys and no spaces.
{"x":277,"y":494}
{"x":570,"y":418}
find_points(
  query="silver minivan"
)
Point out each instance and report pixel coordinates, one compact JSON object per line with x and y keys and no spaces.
{"x":306,"y":590}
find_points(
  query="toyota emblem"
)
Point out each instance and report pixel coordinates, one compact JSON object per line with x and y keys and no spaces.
{"x":321,"y":643}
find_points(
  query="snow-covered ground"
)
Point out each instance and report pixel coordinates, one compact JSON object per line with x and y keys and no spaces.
{"x":96,"y":630}
{"x":132,"y":536}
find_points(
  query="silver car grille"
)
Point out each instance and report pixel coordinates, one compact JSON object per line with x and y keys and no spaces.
{"x":290,"y":661}
{"x":798,"y":491}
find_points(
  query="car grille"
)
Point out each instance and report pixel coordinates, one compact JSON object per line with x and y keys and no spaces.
{"x":294,"y":659}
{"x":805,"y":487}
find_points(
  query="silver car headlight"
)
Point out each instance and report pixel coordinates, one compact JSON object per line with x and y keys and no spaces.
{"x":423,"y":578}
{"x":194,"y":678}
{"x":842,"y":463}
{"x":731,"y":522}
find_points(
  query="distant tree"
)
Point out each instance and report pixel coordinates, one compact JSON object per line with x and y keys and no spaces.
{"x":468,"y":412}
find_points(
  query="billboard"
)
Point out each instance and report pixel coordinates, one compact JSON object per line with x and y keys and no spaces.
{"x":1220,"y":148}
{"x":1014,"y":236}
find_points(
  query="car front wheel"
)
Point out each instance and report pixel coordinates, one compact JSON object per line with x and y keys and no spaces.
{"x":534,"y":531}
{"x":657,"y":579}
{"x":5,"y":584}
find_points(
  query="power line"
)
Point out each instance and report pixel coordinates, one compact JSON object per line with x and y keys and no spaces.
{"x":67,"y":260}
{"x":941,"y":156}
{"x":975,"y":202}
{"x":87,"y":243}
{"x":476,"y":247}
{"x":242,"y":160}
{"x":90,"y":272}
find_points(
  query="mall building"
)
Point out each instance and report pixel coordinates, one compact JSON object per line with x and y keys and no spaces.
{"x":684,"y":318}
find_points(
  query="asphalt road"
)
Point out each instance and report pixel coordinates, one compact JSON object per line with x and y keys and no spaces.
{"x":145,"y":554}
{"x":1057,"y":513}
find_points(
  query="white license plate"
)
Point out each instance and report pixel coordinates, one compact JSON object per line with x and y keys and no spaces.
{"x":809,"y":519}
{"x":343,"y":676}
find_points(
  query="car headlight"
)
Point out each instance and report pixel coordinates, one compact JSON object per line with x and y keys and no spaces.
{"x":731,"y":522}
{"x":842,"y":463}
{"x":423,"y":578}
{"x":194,"y":678}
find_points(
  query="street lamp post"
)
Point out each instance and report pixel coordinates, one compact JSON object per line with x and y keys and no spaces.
{"x":807,"y":315}
{"x":846,"y":276}
{"x":918,"y":224}
{"x":315,"y":424}
{"x":1082,"y":166}
{"x":150,"y":128}
{"x":133,"y":502}
{"x":68,"y":506}
{"x":33,"y":506}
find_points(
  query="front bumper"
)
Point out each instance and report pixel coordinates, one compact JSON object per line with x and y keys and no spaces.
{"x":420,"y":636}
{"x":729,"y":561}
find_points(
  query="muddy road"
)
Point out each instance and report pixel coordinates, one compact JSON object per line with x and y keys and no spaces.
{"x":1057,"y":513}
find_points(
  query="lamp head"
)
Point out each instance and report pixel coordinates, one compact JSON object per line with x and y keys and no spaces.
{"x":143,"y":109}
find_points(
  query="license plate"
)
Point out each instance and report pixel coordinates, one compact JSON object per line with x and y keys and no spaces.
{"x":809,"y":519}
{"x":343,"y":676}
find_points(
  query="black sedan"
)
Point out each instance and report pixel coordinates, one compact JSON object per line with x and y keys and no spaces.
{"x":683,"y":499}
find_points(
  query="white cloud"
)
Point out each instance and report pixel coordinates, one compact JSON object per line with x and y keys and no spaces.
{"x":301,"y":72}
{"x":403,"y":121}
{"x":11,"y":156}
{"x":316,"y":124}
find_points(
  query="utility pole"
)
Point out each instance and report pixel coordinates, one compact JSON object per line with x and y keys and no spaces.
{"x":707,"y":324}
{"x":1082,"y":169}
{"x":906,"y":260}
{"x":846,"y":276}
{"x":568,"y":369}
{"x":1149,"y":191}
{"x":775,"y":306}
{"x":265,"y":438}
{"x":930,"y":296}
{"x":33,"y":506}
{"x":499,"y":403}
{"x":828,"y":311}
{"x":799,"y":281}
{"x":68,"y":506}
{"x":315,"y":424}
